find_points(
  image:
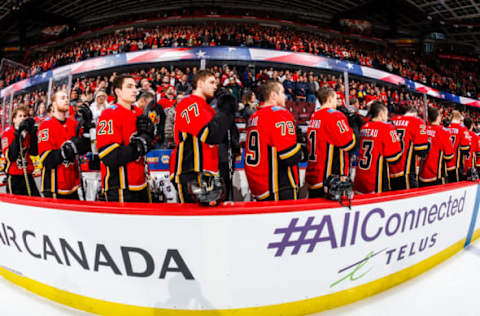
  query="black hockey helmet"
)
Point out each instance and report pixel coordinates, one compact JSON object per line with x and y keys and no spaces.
{"x":337,"y":187}
{"x":209,"y":190}
{"x":472,"y":175}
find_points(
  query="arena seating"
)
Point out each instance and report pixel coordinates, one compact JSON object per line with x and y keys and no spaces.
{"x":456,"y":76}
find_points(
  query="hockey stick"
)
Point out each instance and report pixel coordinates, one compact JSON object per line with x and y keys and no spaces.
{"x":231,"y":164}
{"x":77,"y":156}
{"x":24,"y":167}
{"x":146,"y":169}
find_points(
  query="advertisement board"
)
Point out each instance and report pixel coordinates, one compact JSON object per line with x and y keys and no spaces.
{"x":243,"y":258}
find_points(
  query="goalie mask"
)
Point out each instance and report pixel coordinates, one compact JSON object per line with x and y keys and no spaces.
{"x":209,"y":190}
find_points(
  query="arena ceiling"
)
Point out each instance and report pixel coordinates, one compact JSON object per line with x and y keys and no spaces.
{"x":22,"y":20}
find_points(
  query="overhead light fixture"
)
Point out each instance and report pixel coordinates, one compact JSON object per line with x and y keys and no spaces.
{"x":455,"y":25}
{"x":429,"y":17}
{"x":442,"y":22}
{"x":470,"y":27}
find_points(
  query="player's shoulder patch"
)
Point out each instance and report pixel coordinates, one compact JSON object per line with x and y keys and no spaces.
{"x":113,"y":107}
{"x":331,"y":111}
{"x":278,"y":108}
{"x":47,"y":122}
{"x":8,"y":128}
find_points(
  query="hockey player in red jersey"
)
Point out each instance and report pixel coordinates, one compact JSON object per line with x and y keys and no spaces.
{"x":433,"y":169}
{"x":19,"y":142}
{"x":459,"y":137}
{"x":412,"y":132}
{"x":60,"y":141}
{"x":477,"y":154}
{"x":379,"y":147}
{"x":329,"y":139}
{"x":198,"y":131}
{"x":271,"y":149}
{"x":124,"y":137}
{"x":470,"y":157}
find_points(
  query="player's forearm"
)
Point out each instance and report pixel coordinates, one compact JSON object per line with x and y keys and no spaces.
{"x":13,"y":150}
{"x":421,"y":150}
{"x":50,"y":159}
{"x":465,"y":150}
{"x":33,"y":144}
{"x":350,"y":145}
{"x":290,"y":156}
{"x":115,"y":155}
{"x":85,"y":146}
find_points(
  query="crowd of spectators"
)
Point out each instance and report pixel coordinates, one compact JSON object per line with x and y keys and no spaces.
{"x":167,"y":88}
{"x":457,"y":77}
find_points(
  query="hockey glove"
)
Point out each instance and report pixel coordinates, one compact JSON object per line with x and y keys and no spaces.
{"x":27,"y":125}
{"x":145,"y":126}
{"x":141,"y":144}
{"x":68,"y":151}
{"x":86,"y":117}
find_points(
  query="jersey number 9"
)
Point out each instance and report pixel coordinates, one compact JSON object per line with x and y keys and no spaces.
{"x":252,"y":157}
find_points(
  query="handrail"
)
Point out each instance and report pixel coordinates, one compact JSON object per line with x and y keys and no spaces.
{"x":226,"y":208}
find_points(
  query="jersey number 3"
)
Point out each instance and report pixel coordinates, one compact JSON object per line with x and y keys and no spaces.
{"x":366,"y":160}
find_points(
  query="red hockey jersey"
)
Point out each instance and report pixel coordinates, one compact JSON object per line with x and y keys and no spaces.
{"x":412,"y":133}
{"x":192,"y":153}
{"x":15,"y":167}
{"x":329,"y":138}
{"x":469,"y":159}
{"x":64,"y":179}
{"x":114,"y":129}
{"x":271,"y":138}
{"x":477,"y":153}
{"x":434,"y":166}
{"x":459,"y":138}
{"x":379,"y":146}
